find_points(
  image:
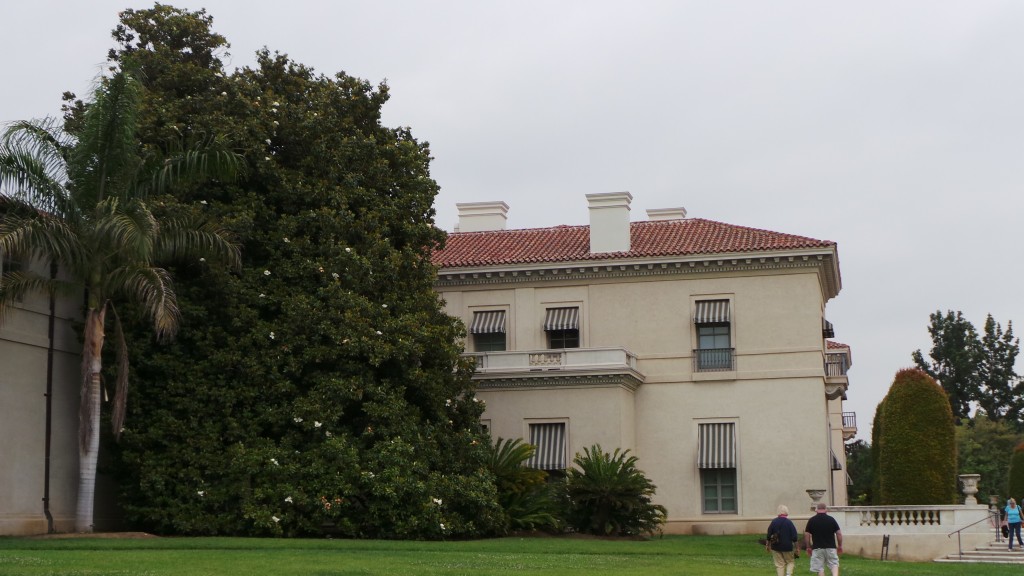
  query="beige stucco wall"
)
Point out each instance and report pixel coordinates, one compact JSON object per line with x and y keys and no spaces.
{"x":23,"y":358}
{"x":775,"y":397}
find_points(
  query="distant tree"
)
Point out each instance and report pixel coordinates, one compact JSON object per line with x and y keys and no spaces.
{"x":81,"y":201}
{"x":321,"y":389}
{"x":982,"y":447}
{"x":1015,"y":484}
{"x":956,"y":355}
{"x":859,"y":465}
{"x":917,"y":448}
{"x":876,"y":433}
{"x":1001,"y":396}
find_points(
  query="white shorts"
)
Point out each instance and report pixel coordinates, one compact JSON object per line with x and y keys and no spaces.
{"x":822,"y":557}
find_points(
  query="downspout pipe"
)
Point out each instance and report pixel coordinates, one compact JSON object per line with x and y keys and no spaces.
{"x":49,"y":403}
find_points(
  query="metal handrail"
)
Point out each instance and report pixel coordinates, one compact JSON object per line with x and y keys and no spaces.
{"x":989,"y":517}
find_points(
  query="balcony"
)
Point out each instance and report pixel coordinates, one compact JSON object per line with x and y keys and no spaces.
{"x":714,"y":360}
{"x":849,"y":425}
{"x":566,"y":366}
{"x":836,"y":380}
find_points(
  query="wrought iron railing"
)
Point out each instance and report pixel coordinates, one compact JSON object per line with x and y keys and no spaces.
{"x":836,"y":364}
{"x":849,"y":419}
{"x":713,"y":360}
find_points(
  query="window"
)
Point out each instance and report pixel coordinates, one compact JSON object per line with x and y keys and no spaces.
{"x":549,"y":439}
{"x":719,"y":490}
{"x":563,"y":327}
{"x":716,"y":459}
{"x":488,"y":330}
{"x":714,"y":336}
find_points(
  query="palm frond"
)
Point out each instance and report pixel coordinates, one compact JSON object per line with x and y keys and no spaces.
{"x":32,"y":166}
{"x":152,"y":289}
{"x":28,"y":233}
{"x":105,"y":162}
{"x":117,"y":412}
{"x":191,"y":167}
{"x":126,"y":229}
{"x":183,"y":238}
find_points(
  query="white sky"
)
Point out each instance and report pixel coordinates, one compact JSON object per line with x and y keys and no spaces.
{"x":893,"y":128}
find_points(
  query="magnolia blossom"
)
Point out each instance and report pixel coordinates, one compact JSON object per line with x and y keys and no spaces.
{"x":266,"y":272}
{"x":202,"y":259}
{"x":448,"y":402}
{"x":317,"y":424}
{"x":328,"y":434}
{"x":288,"y":499}
{"x":223,"y":93}
{"x":266,"y":158}
{"x":274,"y":461}
{"x":201,"y":492}
{"x":267,"y":141}
{"x":383,"y":305}
{"x":379,"y":332}
{"x":202,"y":201}
{"x":276,"y":104}
{"x":348,"y":249}
{"x":262,"y":295}
{"x":286,"y":240}
{"x":437,"y":501}
{"x":335,"y":275}
{"x":271,"y":335}
{"x":297,"y":419}
{"x":442,"y":525}
{"x":275,"y":518}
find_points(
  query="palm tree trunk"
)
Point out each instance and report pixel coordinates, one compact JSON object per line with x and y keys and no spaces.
{"x":89,"y":419}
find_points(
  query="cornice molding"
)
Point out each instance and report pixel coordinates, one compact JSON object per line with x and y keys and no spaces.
{"x":824,"y":262}
{"x":556,"y":379}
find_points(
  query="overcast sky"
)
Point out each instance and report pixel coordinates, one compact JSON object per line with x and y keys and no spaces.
{"x":893,"y":128}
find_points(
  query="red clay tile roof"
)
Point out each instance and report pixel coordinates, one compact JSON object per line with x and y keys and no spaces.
{"x":832,"y":345}
{"x":648,"y":239}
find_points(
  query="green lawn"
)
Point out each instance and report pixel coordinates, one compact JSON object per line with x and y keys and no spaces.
{"x":712,"y":555}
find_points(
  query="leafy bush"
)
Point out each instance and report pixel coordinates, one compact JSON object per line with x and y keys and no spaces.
{"x":608,"y":495}
{"x":917,"y":446}
{"x":528,"y":502}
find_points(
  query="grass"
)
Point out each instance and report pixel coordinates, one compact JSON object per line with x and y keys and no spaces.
{"x":697,"y":555}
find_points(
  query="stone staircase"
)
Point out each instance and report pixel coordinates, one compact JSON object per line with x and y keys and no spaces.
{"x":991,"y":553}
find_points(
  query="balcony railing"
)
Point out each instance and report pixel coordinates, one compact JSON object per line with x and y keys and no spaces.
{"x":579,"y":359}
{"x":849,"y":419}
{"x":836,"y":364}
{"x":713,"y":360}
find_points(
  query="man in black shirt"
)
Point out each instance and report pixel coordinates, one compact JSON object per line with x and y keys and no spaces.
{"x":824,"y":541}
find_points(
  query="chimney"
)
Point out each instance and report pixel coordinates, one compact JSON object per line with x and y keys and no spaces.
{"x":481,"y":216}
{"x":666,"y":213}
{"x":609,"y":222}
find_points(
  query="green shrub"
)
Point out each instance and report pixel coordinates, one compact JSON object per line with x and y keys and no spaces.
{"x":528,"y":502}
{"x":607,"y":495}
{"x":917,"y":446}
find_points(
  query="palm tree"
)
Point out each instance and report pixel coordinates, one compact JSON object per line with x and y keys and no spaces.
{"x":80,"y":202}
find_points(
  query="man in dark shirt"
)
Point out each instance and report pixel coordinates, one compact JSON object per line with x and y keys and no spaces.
{"x":824,"y":541}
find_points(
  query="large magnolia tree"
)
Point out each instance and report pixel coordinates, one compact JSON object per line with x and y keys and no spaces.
{"x":324,"y":390}
{"x":79,"y":201}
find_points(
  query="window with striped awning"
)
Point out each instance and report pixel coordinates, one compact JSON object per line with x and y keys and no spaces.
{"x":562,"y":319}
{"x":488,"y":322}
{"x":711,"y":312}
{"x":835,"y":461}
{"x":549,"y":438}
{"x":716,"y":446}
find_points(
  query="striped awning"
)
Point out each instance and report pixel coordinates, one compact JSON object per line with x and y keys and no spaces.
{"x":711,"y":312}
{"x":489,"y":322}
{"x":562,"y":319}
{"x":716,"y":445}
{"x":835,"y":461}
{"x":549,"y":439}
